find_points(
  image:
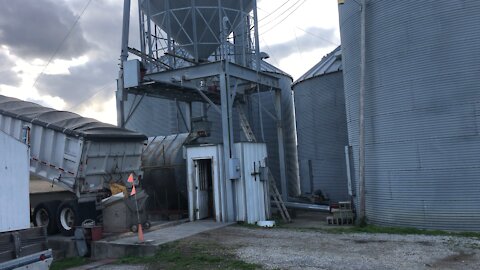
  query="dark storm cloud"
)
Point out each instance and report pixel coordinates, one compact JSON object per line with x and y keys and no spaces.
{"x":103,"y":20}
{"x":34,"y":29}
{"x":7,"y":75}
{"x":311,"y":39}
{"x":83,"y":81}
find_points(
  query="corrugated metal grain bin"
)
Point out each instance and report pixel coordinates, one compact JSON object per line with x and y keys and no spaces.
{"x":322,"y":128}
{"x":164,"y":173}
{"x":421,"y":109}
{"x":14,"y":193}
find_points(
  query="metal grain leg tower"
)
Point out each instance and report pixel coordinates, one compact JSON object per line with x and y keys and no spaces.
{"x":197,"y":51}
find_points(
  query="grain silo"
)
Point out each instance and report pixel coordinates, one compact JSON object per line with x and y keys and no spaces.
{"x":199,"y":70}
{"x":421,"y":110}
{"x":198,"y":43}
{"x":322,"y":129}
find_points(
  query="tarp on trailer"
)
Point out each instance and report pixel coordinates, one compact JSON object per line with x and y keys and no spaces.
{"x":65,"y":122}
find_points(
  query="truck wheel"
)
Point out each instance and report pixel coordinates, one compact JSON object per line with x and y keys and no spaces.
{"x":44,"y":214}
{"x":68,"y":217}
{"x":146,"y":225}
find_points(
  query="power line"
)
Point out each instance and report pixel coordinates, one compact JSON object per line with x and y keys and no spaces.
{"x":317,"y":36}
{"x":268,"y":48}
{"x":268,"y":15}
{"x":88,"y":98}
{"x":278,"y":23}
{"x":61,"y":43}
{"x":285,"y":11}
{"x":296,"y":42}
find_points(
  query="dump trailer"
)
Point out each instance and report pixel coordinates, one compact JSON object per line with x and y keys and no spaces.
{"x":81,"y":155}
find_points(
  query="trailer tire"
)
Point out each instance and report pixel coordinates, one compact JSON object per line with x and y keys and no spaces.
{"x":68,"y":217}
{"x":44,"y":214}
{"x":146,"y":225}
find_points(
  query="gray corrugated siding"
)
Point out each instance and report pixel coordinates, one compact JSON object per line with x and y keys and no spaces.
{"x":322,"y":135}
{"x":422,"y":110}
{"x":160,"y":117}
{"x":154,"y":117}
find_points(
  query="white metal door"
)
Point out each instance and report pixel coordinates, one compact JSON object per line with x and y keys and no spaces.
{"x":202,"y":166}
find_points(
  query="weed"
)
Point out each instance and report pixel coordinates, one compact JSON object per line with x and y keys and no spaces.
{"x":68,"y":263}
{"x":405,"y":230}
{"x":188,"y":255}
{"x":394,"y":230}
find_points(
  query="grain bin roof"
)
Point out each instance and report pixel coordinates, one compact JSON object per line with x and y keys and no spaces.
{"x":63,"y":121}
{"x":330,"y":63}
{"x":267,"y":67}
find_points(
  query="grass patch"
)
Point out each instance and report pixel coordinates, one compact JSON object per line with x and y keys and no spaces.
{"x":190,"y":255}
{"x":68,"y":263}
{"x":400,"y":230}
{"x":365,"y":228}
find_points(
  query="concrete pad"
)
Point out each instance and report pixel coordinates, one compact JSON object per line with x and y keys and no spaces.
{"x":129,"y":246}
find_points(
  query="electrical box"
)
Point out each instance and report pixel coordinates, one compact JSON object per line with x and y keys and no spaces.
{"x":131,"y":73}
{"x":263,"y":173}
{"x":235,"y":169}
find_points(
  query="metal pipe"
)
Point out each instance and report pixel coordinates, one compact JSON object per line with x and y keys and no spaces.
{"x":121,"y":93}
{"x":348,"y":167}
{"x":194,"y":26}
{"x":307,"y":206}
{"x":257,"y":66}
{"x":281,"y":146}
{"x":125,"y":31}
{"x":141,"y":22}
{"x":361,"y":182}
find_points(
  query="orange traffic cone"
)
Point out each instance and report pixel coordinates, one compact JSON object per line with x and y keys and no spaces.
{"x":133,"y":191}
{"x":130,"y":178}
{"x":140,"y":234}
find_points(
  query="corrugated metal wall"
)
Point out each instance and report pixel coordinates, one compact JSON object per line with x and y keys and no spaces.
{"x":322,"y":132}
{"x":250,"y":192}
{"x":422,"y":110}
{"x":154,"y":117}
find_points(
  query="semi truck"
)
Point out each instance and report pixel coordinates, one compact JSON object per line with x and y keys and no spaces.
{"x":81,"y":155}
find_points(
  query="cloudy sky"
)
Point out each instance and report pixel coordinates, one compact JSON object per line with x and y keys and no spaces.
{"x":64,"y":53}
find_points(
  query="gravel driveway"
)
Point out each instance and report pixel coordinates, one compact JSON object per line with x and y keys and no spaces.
{"x":294,"y":249}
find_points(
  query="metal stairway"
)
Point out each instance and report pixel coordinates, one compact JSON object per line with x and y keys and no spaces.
{"x":274,"y":193}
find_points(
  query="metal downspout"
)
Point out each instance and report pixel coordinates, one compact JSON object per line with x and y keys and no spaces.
{"x":362,"y":212}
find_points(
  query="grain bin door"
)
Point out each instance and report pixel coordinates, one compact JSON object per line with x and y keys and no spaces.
{"x":203,"y":184}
